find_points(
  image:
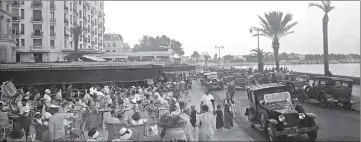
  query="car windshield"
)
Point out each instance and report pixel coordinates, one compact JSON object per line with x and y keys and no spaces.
{"x":277,"y":97}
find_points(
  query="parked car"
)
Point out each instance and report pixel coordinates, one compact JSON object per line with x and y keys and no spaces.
{"x":214,"y":83}
{"x":242,"y":79}
{"x":272,"y":111}
{"x":328,"y":90}
{"x":296,"y":83}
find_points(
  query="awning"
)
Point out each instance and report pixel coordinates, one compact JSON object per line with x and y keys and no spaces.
{"x":93,"y":58}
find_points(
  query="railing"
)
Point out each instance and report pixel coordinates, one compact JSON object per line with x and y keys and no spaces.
{"x":52,"y":20}
{"x":37,"y":34}
{"x":37,"y":19}
{"x":52,"y":47}
{"x":16,"y":32}
{"x":52,"y":34}
{"x":34,"y":47}
{"x":7,"y":37}
{"x":16,"y":4}
{"x":52,"y":6}
{"x":37,"y":4}
{"x":16,"y":18}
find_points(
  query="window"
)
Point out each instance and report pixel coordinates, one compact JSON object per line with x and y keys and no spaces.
{"x":37,"y":42}
{"x":1,"y":26}
{"x":37,"y":27}
{"x":1,"y":5}
{"x":52,"y":33}
{"x":338,"y":83}
{"x":95,"y":21}
{"x":22,"y":42}
{"x":80,"y":24}
{"x":80,"y":13}
{"x":88,"y":18}
{"x":17,"y":42}
{"x":7,"y":8}
{"x":22,"y":14}
{"x":71,"y":6}
{"x":52,"y":16}
{"x":71,"y":19}
{"x":114,"y":44}
{"x":52,"y":42}
{"x":22,"y":29}
{"x":96,"y":31}
{"x":81,"y":46}
{"x":80,"y":2}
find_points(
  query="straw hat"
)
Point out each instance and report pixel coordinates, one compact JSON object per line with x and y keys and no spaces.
{"x":47,"y":91}
{"x":125,"y":134}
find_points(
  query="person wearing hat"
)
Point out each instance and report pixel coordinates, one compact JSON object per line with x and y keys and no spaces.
{"x":92,"y":135}
{"x":126,"y":135}
{"x":56,"y":124}
{"x":208,"y":99}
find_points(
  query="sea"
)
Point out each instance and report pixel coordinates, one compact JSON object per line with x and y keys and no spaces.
{"x":351,"y":69}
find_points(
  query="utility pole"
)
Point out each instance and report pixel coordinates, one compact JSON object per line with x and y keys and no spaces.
{"x":219,"y":54}
{"x":257,"y":29}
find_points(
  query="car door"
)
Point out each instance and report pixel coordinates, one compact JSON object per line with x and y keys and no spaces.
{"x":252,"y":107}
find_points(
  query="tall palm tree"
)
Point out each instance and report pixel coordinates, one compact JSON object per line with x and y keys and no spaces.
{"x":77,"y":33}
{"x":206,"y":57}
{"x":325,"y":7}
{"x":276,"y":26}
{"x":260,"y":56}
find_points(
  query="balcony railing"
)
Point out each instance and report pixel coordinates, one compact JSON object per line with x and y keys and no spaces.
{"x":52,"y":6}
{"x":37,"y":4}
{"x":35,"y":47}
{"x":7,"y":38}
{"x":66,"y":21}
{"x":52,"y":20}
{"x":16,"y":18}
{"x":37,"y":19}
{"x":52,"y":47}
{"x":52,"y":34}
{"x":16,"y":4}
{"x":37,"y":34}
{"x":15,"y":32}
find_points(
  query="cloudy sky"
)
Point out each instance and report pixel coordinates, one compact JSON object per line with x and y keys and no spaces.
{"x":201,"y":25}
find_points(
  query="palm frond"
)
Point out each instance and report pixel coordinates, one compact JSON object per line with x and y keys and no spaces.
{"x":287,"y":28}
{"x":317,"y":5}
{"x":287,"y":33}
{"x":264,"y":35}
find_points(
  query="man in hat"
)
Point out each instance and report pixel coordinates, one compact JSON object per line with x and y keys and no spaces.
{"x":127,"y":134}
{"x":56,"y":124}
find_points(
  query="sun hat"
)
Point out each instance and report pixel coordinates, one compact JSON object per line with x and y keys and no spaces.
{"x":47,"y":91}
{"x":125,"y":134}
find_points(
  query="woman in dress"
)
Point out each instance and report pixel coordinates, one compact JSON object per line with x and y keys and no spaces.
{"x":205,"y":124}
{"x":228,"y":111}
{"x":93,"y":117}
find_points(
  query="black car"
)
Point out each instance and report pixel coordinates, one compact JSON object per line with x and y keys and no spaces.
{"x":273,"y":111}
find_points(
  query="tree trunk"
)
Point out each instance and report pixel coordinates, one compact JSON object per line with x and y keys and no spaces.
{"x":261,"y":65}
{"x":76,"y":49}
{"x":206,"y":62}
{"x":325,"y":43}
{"x":276,"y":47}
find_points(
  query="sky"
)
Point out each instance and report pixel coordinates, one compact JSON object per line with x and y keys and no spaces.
{"x":201,"y":25}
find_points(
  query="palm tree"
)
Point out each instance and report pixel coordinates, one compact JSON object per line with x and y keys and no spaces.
{"x":195,"y":55}
{"x":206,"y":56}
{"x":275,"y":26}
{"x":325,"y":7}
{"x":260,"y":56}
{"x":77,"y":32}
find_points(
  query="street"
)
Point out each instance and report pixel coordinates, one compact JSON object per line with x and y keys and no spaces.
{"x":335,"y":123}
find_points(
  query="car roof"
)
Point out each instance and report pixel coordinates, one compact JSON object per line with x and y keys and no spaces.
{"x":265,"y":86}
{"x":211,"y":73}
{"x":296,"y":75}
{"x":335,"y":78}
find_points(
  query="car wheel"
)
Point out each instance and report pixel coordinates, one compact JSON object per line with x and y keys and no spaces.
{"x":270,"y":130}
{"x":323,"y":100}
{"x":250,"y":121}
{"x":347,"y":105}
{"x":312,"y":135}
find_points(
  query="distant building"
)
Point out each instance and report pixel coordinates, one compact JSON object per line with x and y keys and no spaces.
{"x":7,"y":39}
{"x":137,"y":56}
{"x":113,"y":42}
{"x":126,"y":47}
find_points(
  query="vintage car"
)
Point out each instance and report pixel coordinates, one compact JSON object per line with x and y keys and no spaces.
{"x":228,"y":76}
{"x":207,"y":77}
{"x":214,"y":83}
{"x":330,"y":90}
{"x":272,"y":110}
{"x":242,"y":80}
{"x":296,"y":83}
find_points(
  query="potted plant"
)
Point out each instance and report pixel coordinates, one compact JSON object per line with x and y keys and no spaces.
{"x":171,"y":125}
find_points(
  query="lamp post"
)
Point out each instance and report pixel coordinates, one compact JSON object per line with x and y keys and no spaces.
{"x":255,"y":29}
{"x":219,"y":53}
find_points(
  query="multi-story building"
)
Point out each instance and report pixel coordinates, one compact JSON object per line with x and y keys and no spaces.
{"x":113,"y":42}
{"x":7,"y":40}
{"x":44,"y":29}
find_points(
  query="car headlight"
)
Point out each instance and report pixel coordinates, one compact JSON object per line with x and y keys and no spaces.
{"x":301,"y":116}
{"x":281,"y":118}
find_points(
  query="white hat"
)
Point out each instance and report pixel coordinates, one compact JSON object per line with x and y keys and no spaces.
{"x":47,"y":91}
{"x":125,"y":134}
{"x":27,"y":93}
{"x":54,"y":106}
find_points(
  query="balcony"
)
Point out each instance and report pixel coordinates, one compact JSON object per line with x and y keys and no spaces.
{"x":52,"y":7}
{"x":66,"y":9}
{"x":35,"y":48}
{"x":16,"y":32}
{"x":7,"y":38}
{"x":16,"y":19}
{"x":37,"y":4}
{"x":52,"y":21}
{"x":37,"y":19}
{"x":16,"y":4}
{"x":36,"y":34}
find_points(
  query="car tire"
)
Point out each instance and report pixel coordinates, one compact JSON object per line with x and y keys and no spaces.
{"x":300,"y":109}
{"x":323,"y":100}
{"x":270,"y":129}
{"x":312,"y":135}
{"x":347,"y":105}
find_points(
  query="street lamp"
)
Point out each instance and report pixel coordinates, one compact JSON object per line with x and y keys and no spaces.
{"x":255,"y":29}
{"x":219,"y":53}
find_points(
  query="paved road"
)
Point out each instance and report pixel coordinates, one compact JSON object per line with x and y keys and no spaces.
{"x":336,"y":123}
